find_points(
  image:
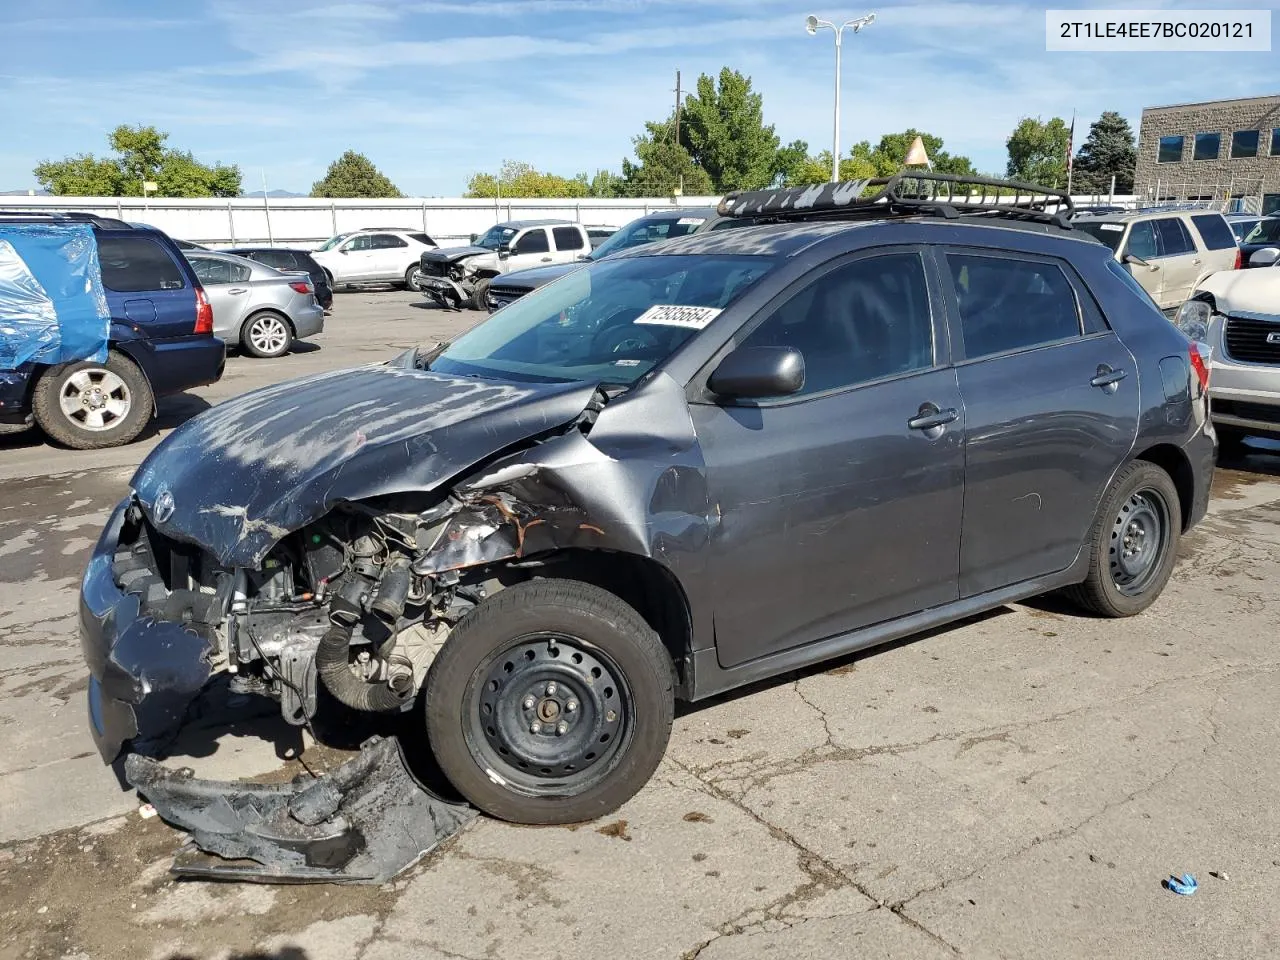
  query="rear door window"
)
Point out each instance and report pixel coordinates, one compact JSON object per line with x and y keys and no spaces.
{"x":568,"y":238}
{"x":1214,"y":231}
{"x":387,"y":241}
{"x":1172,"y":237}
{"x":133,"y":264}
{"x":1009,"y":304}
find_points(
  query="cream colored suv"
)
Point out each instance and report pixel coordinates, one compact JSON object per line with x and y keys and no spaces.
{"x":1169,"y":252}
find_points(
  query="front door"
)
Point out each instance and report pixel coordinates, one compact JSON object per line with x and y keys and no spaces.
{"x":1141,"y":243}
{"x":838,"y":507}
{"x":359,"y":260}
{"x":531,"y":249}
{"x":1051,"y":405}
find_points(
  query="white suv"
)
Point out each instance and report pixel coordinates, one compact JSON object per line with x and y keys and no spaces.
{"x":374,"y":256}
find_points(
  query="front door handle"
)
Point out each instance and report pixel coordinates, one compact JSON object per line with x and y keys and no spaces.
{"x":238,"y":290}
{"x":546,"y":259}
{"x":931,"y":418}
{"x":1107,"y":378}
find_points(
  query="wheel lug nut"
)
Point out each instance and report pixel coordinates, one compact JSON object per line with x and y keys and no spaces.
{"x":535,"y":727}
{"x":551,"y":689}
{"x":529,"y":703}
{"x":611,"y":716}
{"x":571,"y":706}
{"x":561,"y":729}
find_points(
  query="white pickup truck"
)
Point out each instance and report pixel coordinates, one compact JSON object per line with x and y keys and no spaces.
{"x":454,"y":276}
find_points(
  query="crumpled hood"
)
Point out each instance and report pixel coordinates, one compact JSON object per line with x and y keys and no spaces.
{"x":1255,"y":292}
{"x":453,"y":254}
{"x":242,"y":475}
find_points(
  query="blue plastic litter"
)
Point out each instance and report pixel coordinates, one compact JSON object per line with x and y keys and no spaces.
{"x":53,"y":307}
{"x":1184,"y":886}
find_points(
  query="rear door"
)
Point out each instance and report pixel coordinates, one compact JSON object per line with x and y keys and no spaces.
{"x":570,"y":244}
{"x":1218,"y":242}
{"x":145,"y":286}
{"x":391,"y":256}
{"x":226,"y":285}
{"x":838,"y":507}
{"x":1180,"y":261}
{"x":1051,"y":404}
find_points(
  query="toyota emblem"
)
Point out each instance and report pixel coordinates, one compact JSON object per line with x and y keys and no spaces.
{"x":164,"y":506}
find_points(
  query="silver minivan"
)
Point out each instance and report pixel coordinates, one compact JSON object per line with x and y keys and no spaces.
{"x":1169,"y":252}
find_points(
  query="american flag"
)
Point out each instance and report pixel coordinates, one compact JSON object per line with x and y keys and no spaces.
{"x":1071,"y":139}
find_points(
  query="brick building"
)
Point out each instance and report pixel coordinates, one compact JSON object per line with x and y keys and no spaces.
{"x":1216,"y":150}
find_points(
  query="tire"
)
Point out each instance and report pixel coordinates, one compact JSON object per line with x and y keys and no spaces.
{"x":480,"y":295}
{"x":89,"y":406}
{"x":603,"y":660}
{"x":413,"y":279}
{"x":266,"y":334}
{"x":1142,"y":504}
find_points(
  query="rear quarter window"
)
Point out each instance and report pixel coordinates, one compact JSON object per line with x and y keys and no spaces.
{"x":133,"y":264}
{"x":1214,"y":231}
{"x":422,"y":238}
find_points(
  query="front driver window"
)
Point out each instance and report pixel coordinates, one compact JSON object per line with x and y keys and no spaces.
{"x":1142,"y":240}
{"x":535,"y":241}
{"x":212,"y":271}
{"x":862,"y":321}
{"x":358,"y":243}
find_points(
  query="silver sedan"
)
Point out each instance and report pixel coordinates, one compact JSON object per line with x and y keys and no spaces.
{"x":260,"y":309}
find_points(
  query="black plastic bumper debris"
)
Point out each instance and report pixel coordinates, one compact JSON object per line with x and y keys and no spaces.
{"x":363,"y":822}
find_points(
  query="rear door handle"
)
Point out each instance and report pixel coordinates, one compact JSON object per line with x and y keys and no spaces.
{"x":238,"y":290}
{"x":1107,"y":378}
{"x":546,"y":259}
{"x":932,"y":417}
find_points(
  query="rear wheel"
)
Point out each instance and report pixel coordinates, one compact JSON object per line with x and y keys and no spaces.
{"x":1134,"y":543}
{"x":89,"y":405}
{"x":551,"y":702}
{"x":266,"y":335}
{"x":480,"y":295}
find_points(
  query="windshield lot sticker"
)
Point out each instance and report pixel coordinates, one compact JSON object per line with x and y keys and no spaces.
{"x":1116,"y":227}
{"x":691,"y":221}
{"x":670,"y":315}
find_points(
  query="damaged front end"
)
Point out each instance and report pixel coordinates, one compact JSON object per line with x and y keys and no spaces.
{"x":450,"y":277}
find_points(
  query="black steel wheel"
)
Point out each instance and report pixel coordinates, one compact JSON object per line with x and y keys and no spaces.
{"x":1134,"y":544}
{"x":550,"y":703}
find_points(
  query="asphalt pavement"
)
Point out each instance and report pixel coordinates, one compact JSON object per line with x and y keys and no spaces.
{"x":1015,"y":786}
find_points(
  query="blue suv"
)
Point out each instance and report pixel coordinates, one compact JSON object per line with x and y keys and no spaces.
{"x":161,"y":342}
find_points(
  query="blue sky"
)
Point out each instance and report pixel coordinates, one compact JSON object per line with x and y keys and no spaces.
{"x":433,"y":90}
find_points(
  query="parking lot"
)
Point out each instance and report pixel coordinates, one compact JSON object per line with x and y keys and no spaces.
{"x":1015,"y":786}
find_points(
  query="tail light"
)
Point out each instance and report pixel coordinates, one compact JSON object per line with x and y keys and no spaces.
{"x":204,"y":312}
{"x":1199,"y":366}
{"x":1239,"y":259}
{"x":300,"y":286}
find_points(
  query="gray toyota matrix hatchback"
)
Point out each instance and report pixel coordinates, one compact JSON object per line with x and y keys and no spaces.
{"x":690,"y":466}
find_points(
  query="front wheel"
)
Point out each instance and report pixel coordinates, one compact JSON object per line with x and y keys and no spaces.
{"x":266,"y":335}
{"x":1134,"y":543}
{"x":551,"y":702}
{"x":480,"y":295}
{"x":90,"y":405}
{"x":413,"y":279}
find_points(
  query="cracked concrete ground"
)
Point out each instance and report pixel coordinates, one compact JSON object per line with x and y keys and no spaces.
{"x":1014,"y":786}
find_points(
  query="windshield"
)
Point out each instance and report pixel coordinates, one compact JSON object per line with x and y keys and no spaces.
{"x":612,"y":322}
{"x":495,"y":237}
{"x":333,"y":242}
{"x":1108,"y":233}
{"x":1267,"y":231}
{"x":647,"y":230}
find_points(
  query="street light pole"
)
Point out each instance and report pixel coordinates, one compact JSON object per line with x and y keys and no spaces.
{"x":812,"y":24}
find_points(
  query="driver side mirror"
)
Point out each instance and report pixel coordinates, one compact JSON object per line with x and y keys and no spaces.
{"x":754,"y":372}
{"x":1266,"y":257}
{"x":1134,"y":258}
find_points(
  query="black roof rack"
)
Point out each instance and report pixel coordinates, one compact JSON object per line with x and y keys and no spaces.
{"x":910,"y":193}
{"x":45,"y":216}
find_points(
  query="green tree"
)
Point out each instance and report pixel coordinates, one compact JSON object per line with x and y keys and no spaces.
{"x":354,"y":175}
{"x":1108,"y":151}
{"x":883,"y":160}
{"x":723,"y":129}
{"x":1038,"y":151}
{"x":141,"y":155}
{"x":664,"y":167}
{"x":517,"y":179}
